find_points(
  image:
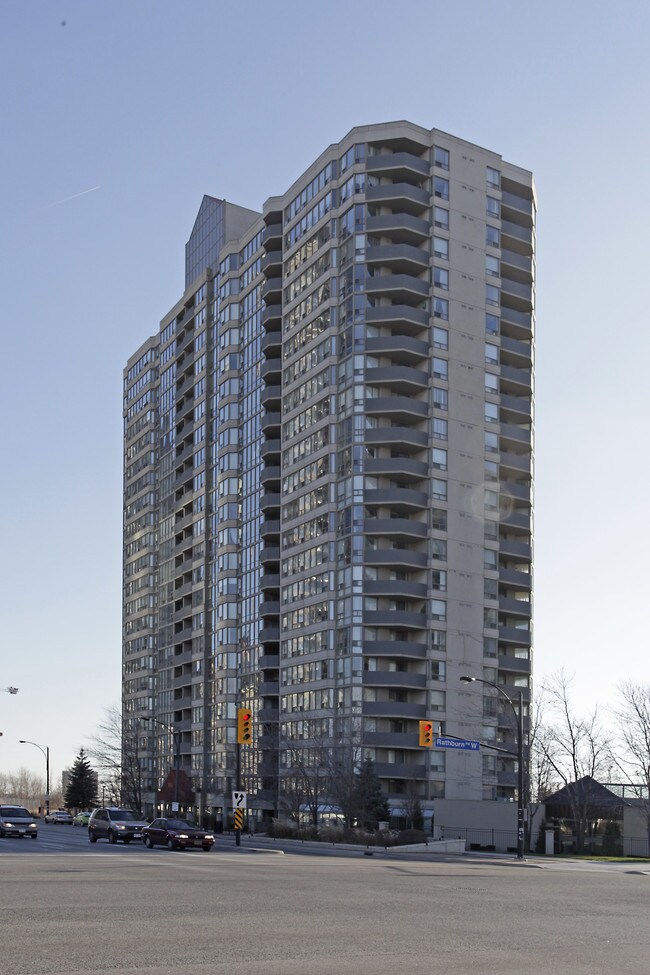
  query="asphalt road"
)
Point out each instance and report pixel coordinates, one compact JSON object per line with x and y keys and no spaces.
{"x":126,"y":910}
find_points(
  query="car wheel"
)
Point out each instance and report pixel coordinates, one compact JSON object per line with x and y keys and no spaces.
{"x":92,"y":837}
{"x":148,"y":842}
{"x":33,"y":835}
{"x":207,"y":847}
{"x":112,"y":837}
{"x":2,"y":834}
{"x":171,"y":844}
{"x":127,"y":841}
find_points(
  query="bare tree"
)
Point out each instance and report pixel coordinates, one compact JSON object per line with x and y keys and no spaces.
{"x":306,"y":784}
{"x":633,"y":742}
{"x":116,"y":757}
{"x":573,"y":748}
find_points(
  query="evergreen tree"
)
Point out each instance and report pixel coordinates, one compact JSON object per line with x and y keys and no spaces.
{"x":371,"y":802}
{"x":81,"y":792}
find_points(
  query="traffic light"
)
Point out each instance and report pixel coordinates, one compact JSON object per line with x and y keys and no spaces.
{"x":426,"y":734}
{"x":244,"y":726}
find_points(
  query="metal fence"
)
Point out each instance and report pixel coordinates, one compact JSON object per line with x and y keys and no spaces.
{"x":490,"y":840}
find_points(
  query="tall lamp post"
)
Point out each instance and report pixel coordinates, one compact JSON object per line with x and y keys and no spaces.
{"x":519,"y":718}
{"x":174,"y":734}
{"x":46,"y":754}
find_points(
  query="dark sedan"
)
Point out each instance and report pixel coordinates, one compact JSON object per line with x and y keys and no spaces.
{"x":176,"y":834}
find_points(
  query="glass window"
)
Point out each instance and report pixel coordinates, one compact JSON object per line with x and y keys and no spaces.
{"x":491,"y":442}
{"x":491,"y":294}
{"x":440,"y":338}
{"x":441,"y":277}
{"x":438,"y":609}
{"x":491,"y":383}
{"x":439,"y":368}
{"x":439,"y":428}
{"x":492,"y":237}
{"x":439,"y":458}
{"x":493,"y":207}
{"x":441,"y":187}
{"x":441,"y":218}
{"x":441,"y":248}
{"x":438,"y":489}
{"x":491,"y":324}
{"x":492,"y":268}
{"x":441,"y":157}
{"x":441,"y":308}
{"x":491,"y":354}
{"x":440,"y":398}
{"x":491,"y":413}
{"x":492,"y":177}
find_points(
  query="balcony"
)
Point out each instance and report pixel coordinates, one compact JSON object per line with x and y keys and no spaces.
{"x":401,"y":258}
{"x":401,"y":348}
{"x":272,"y":236}
{"x":400,"y":288}
{"x":510,"y":634}
{"x":402,"y":197}
{"x":396,"y":498}
{"x":515,"y":349}
{"x":272,"y":290}
{"x":400,"y":227}
{"x":409,"y":320}
{"x":515,"y":406}
{"x":401,"y":379}
{"x":269,"y":448}
{"x":405,"y":438}
{"x":398,"y":468}
{"x":515,"y":607}
{"x":270,"y":422}
{"x":516,"y":380}
{"x":400,"y":409}
{"x":510,"y":548}
{"x":394,"y":709}
{"x":406,"y":649}
{"x":395,"y":527}
{"x":401,"y":618}
{"x":398,"y":588}
{"x":519,"y":463}
{"x":272,"y":317}
{"x":272,"y":264}
{"x":403,"y":558}
{"x":395,"y":164}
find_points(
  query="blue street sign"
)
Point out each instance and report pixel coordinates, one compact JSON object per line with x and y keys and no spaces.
{"x":457,"y":743}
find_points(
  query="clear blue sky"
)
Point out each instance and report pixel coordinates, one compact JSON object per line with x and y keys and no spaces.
{"x":115,"y":123}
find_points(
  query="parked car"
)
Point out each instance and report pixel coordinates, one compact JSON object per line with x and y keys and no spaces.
{"x":82,"y":818}
{"x":176,"y":834}
{"x":113,"y":824}
{"x":59,"y":816}
{"x":17,"y":821}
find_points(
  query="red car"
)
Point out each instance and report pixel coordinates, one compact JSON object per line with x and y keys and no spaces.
{"x":176,"y":834}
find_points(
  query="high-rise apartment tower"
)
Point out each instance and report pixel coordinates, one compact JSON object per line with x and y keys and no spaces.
{"x":328,"y":483}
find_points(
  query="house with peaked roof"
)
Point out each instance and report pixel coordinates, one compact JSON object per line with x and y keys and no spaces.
{"x":591,"y":818}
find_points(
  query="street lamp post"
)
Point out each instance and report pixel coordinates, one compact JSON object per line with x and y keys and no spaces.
{"x":174,"y":735}
{"x":519,"y":718}
{"x":46,"y":754}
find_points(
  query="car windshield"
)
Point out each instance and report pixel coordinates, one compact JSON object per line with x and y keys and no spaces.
{"x":17,"y":812}
{"x":126,"y":815}
{"x":178,"y":824}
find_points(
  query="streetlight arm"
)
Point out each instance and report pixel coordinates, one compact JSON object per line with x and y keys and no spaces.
{"x":45,"y":750}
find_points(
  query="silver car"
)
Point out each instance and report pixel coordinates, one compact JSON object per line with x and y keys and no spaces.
{"x":113,"y":824}
{"x":17,"y":821}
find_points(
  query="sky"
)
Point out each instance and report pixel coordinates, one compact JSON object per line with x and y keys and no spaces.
{"x":118,"y":115}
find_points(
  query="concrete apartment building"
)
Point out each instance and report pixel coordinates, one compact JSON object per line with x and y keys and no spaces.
{"x":328,"y":481}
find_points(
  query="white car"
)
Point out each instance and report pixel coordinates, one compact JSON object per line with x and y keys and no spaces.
{"x":59,"y":816}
